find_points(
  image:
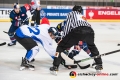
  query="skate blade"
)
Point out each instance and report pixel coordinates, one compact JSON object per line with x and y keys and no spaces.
{"x":32,"y":69}
{"x":54,"y":72}
{"x":97,"y":71}
{"x":24,"y":68}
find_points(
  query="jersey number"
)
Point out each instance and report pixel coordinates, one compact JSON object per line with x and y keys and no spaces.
{"x":36,"y":31}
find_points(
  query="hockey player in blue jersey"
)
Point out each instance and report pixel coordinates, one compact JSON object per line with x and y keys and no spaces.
{"x":17,"y":16}
{"x":28,"y":37}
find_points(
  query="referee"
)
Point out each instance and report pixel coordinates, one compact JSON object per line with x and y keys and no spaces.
{"x":76,"y":29}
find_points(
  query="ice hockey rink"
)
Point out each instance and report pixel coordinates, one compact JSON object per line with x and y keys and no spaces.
{"x":107,"y":36}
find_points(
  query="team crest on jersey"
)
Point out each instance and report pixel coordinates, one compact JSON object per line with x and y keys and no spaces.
{"x":16,"y":18}
{"x":23,"y":14}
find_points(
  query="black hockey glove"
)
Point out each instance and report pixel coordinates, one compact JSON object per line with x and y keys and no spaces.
{"x":57,"y":39}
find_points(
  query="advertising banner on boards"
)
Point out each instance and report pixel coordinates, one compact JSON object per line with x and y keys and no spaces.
{"x":102,"y":13}
{"x":54,"y":13}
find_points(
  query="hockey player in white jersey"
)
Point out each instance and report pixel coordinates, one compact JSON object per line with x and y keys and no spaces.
{"x":28,"y":37}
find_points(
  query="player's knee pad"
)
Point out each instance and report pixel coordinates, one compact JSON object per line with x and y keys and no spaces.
{"x":32,"y":53}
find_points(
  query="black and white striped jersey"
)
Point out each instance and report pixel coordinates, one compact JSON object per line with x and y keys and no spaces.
{"x":74,"y":19}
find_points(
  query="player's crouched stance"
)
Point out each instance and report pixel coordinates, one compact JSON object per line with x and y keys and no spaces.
{"x":28,"y":36}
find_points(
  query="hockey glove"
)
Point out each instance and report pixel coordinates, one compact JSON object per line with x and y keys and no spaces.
{"x":57,"y":39}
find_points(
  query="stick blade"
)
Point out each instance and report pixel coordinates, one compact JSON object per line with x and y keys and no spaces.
{"x":4,"y":43}
{"x":5,"y":32}
{"x":84,"y":67}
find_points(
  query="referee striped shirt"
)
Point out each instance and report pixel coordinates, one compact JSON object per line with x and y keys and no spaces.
{"x":74,"y":19}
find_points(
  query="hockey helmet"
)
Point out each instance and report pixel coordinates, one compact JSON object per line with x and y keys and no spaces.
{"x":16,"y":6}
{"x":77,"y":8}
{"x":35,"y":4}
{"x":53,"y":30}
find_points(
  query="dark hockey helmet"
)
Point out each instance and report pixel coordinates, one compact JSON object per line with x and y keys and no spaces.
{"x":53,"y":30}
{"x":77,"y":8}
{"x":16,"y":6}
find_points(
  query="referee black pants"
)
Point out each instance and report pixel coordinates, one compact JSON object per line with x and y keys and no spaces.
{"x":85,"y":34}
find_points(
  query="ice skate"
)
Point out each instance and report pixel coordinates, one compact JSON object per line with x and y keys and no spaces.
{"x":25,"y":65}
{"x":98,"y":67}
{"x":54,"y":70}
{"x":11,"y":44}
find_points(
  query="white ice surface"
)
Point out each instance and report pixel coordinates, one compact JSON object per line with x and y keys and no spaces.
{"x":107,"y":36}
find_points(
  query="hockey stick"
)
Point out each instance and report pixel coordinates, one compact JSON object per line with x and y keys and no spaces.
{"x":101,"y":55}
{"x":76,"y":62}
{"x":25,"y":19}
{"x":82,"y":67}
{"x":4,"y":43}
{"x":21,"y":24}
{"x":5,"y":32}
